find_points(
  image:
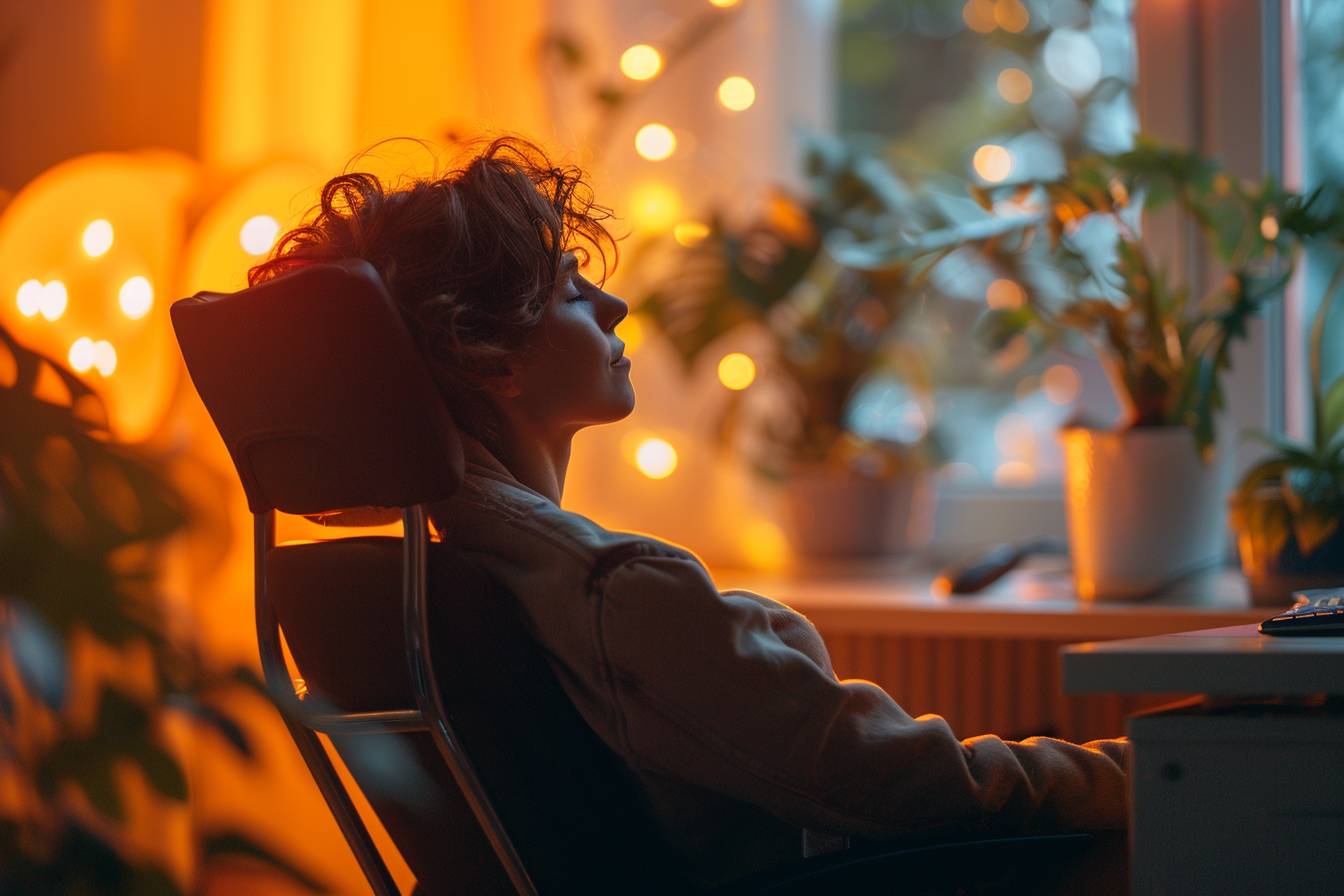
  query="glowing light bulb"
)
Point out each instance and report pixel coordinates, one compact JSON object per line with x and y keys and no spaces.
{"x":1005,"y":295}
{"x":1269,"y":228}
{"x":29,"y":298}
{"x":258,"y":234}
{"x":97,"y":238}
{"x":104,"y":357}
{"x":641,"y":62}
{"x":54,"y":300}
{"x":655,"y":206}
{"x":81,"y":355}
{"x":992,"y":162}
{"x":656,"y":458}
{"x":1014,"y":85}
{"x":655,"y":142}
{"x":737,"y":371}
{"x":690,"y":233}
{"x":737,"y":93}
{"x":136,"y":297}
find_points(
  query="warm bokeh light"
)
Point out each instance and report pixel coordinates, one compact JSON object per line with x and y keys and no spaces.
{"x":631,"y":331}
{"x":1005,"y":295}
{"x":1011,"y":16}
{"x":992,"y":162}
{"x":765,"y":545}
{"x":655,"y":206}
{"x":81,"y":355}
{"x":723,"y":4}
{"x":136,"y":297}
{"x":97,"y":237}
{"x":979,"y":16}
{"x":737,"y":371}
{"x":690,"y":233}
{"x":736,"y":93}
{"x":641,"y":62}
{"x":1014,"y":472}
{"x":1061,"y":384}
{"x":29,"y":297}
{"x":655,"y":142}
{"x":656,"y":458}
{"x":54,"y":300}
{"x":104,"y":357}
{"x":1014,"y":85}
{"x":1014,"y":437}
{"x":258,"y":234}
{"x":1269,"y":227}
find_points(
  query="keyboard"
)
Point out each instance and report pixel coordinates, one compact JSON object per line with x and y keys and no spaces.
{"x":1319,"y":612}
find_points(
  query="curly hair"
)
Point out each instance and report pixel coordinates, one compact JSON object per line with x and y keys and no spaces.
{"x":470,"y":256}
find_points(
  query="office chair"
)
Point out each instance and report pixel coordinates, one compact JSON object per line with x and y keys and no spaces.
{"x":416,"y":665}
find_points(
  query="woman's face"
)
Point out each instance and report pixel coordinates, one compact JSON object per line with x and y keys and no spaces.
{"x":565,"y":376}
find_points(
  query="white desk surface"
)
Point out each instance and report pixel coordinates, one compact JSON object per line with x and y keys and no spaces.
{"x":892,"y":598}
{"x":1233,"y":661}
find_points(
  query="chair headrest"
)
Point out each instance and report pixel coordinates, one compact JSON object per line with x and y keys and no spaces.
{"x":320,"y":392}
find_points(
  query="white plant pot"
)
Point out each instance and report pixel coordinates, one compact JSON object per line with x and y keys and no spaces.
{"x":830,"y":514}
{"x":1143,"y":509}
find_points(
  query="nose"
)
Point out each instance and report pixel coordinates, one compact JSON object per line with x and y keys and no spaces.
{"x":614,"y":310}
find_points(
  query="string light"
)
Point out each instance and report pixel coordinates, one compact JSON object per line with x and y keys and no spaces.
{"x":54,"y":300}
{"x":656,"y":458}
{"x":1061,"y":384}
{"x":1014,"y":85}
{"x":655,"y":142}
{"x":736,"y":93}
{"x":81,"y":355}
{"x":655,"y":206}
{"x":97,"y":237}
{"x":737,"y":371}
{"x":1011,"y":16}
{"x":136,"y":297}
{"x":992,"y":162}
{"x":258,"y":234}
{"x":979,"y":16}
{"x":29,"y":298}
{"x":1005,"y":295}
{"x":104,"y":357}
{"x":1269,"y":228}
{"x":641,"y":62}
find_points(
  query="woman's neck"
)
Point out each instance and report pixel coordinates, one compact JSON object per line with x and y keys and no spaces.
{"x":537,"y":462}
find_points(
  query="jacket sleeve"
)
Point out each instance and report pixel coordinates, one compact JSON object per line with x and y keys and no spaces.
{"x":734,"y":692}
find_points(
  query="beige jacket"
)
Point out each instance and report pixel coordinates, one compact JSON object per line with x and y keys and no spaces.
{"x":727,"y":708}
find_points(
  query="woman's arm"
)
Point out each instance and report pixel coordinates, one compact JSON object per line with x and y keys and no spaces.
{"x":734,"y":692}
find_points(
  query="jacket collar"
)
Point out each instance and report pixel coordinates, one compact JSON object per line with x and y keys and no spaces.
{"x":481,"y":462}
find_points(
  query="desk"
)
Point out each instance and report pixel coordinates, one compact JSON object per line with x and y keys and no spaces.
{"x":1230,"y":795}
{"x":988,"y":662}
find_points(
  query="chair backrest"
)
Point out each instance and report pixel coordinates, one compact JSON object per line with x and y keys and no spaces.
{"x":320,"y":392}
{"x":569,"y":804}
{"x":325,"y":404}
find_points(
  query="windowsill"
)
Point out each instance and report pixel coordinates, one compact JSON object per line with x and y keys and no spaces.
{"x":889,"y":597}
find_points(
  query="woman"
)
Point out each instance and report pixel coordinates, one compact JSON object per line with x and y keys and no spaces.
{"x":724,"y":704}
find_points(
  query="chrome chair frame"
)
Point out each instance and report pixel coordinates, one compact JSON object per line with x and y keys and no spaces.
{"x":428,"y":715}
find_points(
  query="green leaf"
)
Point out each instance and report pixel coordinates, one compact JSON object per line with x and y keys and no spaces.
{"x":1332,"y":411}
{"x":234,"y":845}
{"x":1313,"y":497}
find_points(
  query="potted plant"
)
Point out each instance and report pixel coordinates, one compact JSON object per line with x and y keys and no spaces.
{"x":830,"y":322}
{"x":1144,"y":498}
{"x":1287,"y":508}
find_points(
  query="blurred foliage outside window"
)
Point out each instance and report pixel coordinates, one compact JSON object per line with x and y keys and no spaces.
{"x":963,"y":96}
